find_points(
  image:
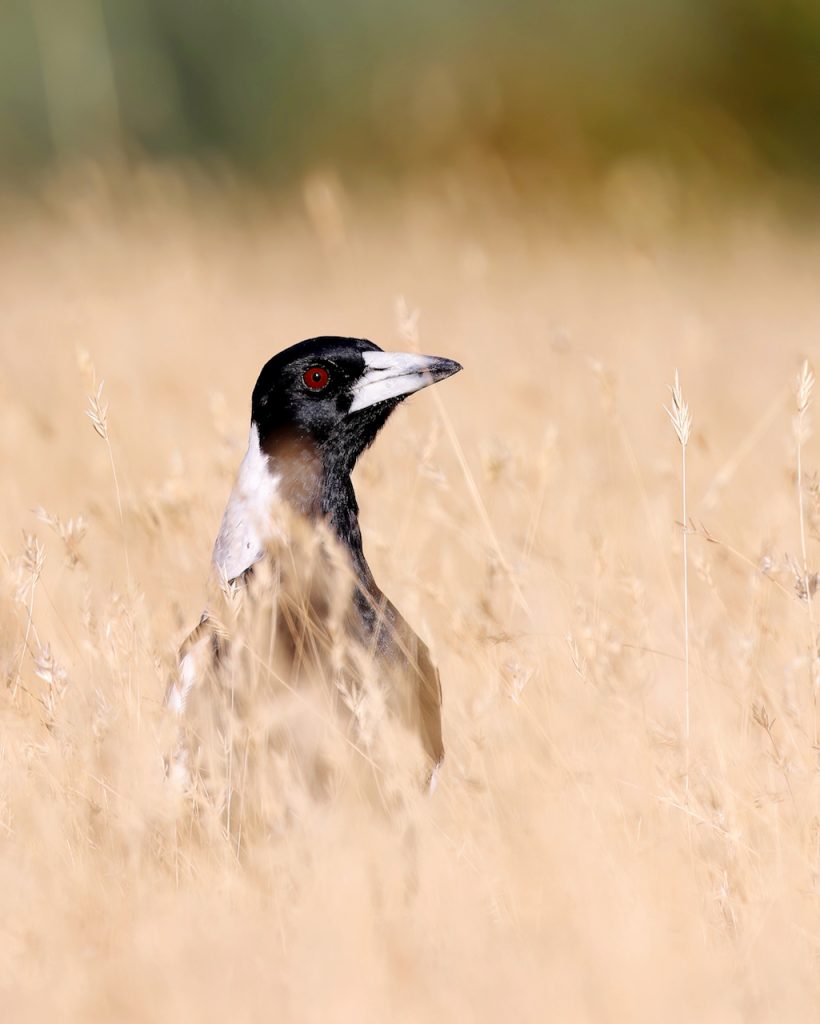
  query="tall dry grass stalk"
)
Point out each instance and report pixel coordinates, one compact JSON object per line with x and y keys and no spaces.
{"x":97,"y":412}
{"x":682,"y":422}
{"x":408,"y":324}
{"x":804,"y":389}
{"x":33,"y":562}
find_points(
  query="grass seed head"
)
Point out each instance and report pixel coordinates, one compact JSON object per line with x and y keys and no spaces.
{"x":97,"y":412}
{"x":804,"y":387}
{"x":70,"y":531}
{"x":679,"y":413}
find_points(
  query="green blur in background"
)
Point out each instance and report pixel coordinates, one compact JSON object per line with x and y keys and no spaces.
{"x":273,"y":89}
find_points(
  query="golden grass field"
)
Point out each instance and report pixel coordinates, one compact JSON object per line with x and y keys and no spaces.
{"x":580,"y":860}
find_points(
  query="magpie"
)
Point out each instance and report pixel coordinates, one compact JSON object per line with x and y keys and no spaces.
{"x":316,"y":407}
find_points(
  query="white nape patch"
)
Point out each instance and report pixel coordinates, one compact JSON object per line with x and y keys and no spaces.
{"x":390,"y":375}
{"x":247,"y":524}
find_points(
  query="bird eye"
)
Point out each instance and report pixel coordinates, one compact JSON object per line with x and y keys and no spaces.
{"x":316,"y":378}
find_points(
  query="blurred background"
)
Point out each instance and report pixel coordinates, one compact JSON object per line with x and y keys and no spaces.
{"x":717,"y":92}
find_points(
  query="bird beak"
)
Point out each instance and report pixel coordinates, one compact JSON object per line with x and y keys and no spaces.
{"x":396,"y":374}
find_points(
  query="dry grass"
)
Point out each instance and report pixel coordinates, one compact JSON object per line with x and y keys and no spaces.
{"x":526,"y":517}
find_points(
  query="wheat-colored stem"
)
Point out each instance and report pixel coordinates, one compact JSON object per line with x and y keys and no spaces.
{"x":29,"y":623}
{"x":807,"y":587}
{"x":682,"y":423}
{"x":119,"y":510}
{"x":33,"y":560}
{"x":805,"y":389}
{"x":97,"y":412}
{"x":408,"y":326}
{"x":687,"y":705}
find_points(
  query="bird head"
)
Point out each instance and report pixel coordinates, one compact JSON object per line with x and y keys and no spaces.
{"x":335,"y":394}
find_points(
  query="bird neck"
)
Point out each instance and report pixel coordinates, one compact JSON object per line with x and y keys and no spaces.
{"x":340,"y":510}
{"x":315,"y":482}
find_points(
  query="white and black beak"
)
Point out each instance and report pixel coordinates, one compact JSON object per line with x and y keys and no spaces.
{"x":392,"y":375}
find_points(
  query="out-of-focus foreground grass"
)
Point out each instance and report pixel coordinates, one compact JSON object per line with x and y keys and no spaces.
{"x":525,"y":516}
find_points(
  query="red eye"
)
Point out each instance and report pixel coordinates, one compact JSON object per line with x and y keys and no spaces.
{"x":316,"y":378}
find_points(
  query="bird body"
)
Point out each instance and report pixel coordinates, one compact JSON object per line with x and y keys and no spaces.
{"x":290,"y":532}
